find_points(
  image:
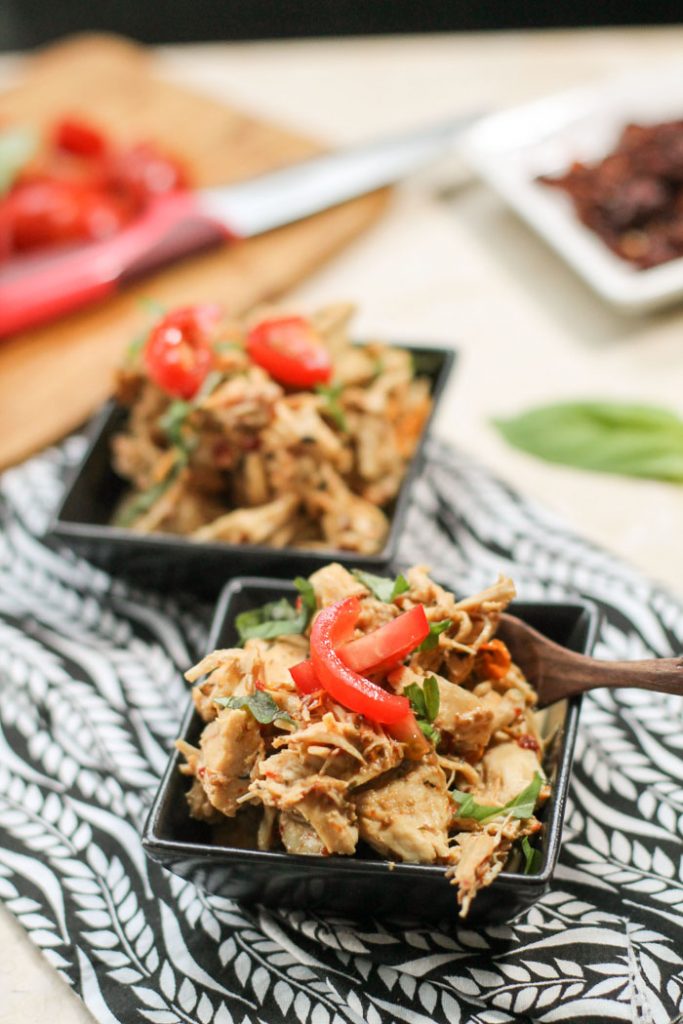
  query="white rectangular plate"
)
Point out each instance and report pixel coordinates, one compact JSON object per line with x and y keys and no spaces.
{"x":509,"y":150}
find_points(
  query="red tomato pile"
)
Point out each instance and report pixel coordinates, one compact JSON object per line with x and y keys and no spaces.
{"x":84,"y":188}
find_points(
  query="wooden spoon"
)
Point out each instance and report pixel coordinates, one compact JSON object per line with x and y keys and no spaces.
{"x":556,"y":672}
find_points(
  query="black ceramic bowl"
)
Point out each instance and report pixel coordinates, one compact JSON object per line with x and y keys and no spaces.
{"x":94,"y":490}
{"x":363,"y":884}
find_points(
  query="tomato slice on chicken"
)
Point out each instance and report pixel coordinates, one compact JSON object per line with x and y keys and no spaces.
{"x":291,"y":351}
{"x":382,"y":649}
{"x":331,"y":629}
{"x":305,"y":678}
{"x":178,"y":353}
{"x":388,"y":645}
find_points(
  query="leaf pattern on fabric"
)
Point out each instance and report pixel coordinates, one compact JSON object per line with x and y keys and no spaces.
{"x":87,"y":666}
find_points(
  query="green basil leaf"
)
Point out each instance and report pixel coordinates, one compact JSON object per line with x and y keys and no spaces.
{"x":430,"y":731}
{"x":382,"y":587}
{"x":332,"y":394}
{"x":308,"y":602}
{"x":415,"y":695}
{"x":152,"y":306}
{"x":608,"y":437}
{"x":435,"y":630}
{"x":138,"y":504}
{"x":276,"y":618}
{"x":260,"y":704}
{"x":173,"y":420}
{"x":17,"y":147}
{"x":521,"y":806}
{"x":533,"y":858}
{"x":430,"y":688}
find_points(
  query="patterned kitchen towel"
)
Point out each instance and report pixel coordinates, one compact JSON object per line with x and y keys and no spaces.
{"x":91,"y":698}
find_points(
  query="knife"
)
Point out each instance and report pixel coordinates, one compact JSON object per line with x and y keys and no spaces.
{"x":40,"y":287}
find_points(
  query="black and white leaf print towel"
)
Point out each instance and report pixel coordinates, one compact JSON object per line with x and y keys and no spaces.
{"x":91,"y":698}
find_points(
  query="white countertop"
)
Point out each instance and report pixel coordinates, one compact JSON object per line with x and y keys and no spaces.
{"x":455,"y":268}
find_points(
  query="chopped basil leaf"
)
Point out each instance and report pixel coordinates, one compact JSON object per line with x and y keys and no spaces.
{"x":382,"y":587}
{"x":307,"y":594}
{"x":17,"y":148}
{"x":424,"y":700}
{"x":260,"y":704}
{"x":142,"y":502}
{"x":278,"y":618}
{"x":208,"y":386}
{"x":152,"y":306}
{"x":227,"y":346}
{"x":429,"y":731}
{"x":435,"y":630}
{"x":173,"y":420}
{"x":430,"y":690}
{"x":135,"y":348}
{"x":332,"y":392}
{"x":533,"y":858}
{"x":521,"y":806}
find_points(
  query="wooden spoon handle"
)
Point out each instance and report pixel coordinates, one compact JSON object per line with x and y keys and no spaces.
{"x":662,"y":674}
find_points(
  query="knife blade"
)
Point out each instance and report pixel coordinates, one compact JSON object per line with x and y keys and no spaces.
{"x":37,"y":288}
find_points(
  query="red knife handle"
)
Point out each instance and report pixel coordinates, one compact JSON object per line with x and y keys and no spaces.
{"x":39,"y":288}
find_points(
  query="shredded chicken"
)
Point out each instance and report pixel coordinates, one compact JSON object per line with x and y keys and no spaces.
{"x":325,"y":778}
{"x":250,"y":461}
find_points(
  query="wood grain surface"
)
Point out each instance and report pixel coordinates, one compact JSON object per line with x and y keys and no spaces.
{"x":53,"y":377}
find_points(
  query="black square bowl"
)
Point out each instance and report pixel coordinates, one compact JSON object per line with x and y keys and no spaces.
{"x":364,"y":884}
{"x":167,"y":560}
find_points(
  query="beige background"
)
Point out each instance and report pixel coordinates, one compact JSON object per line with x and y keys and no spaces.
{"x":450,"y":264}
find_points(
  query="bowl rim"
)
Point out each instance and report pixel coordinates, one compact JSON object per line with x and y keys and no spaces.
{"x":159,"y":847}
{"x":66,"y":529}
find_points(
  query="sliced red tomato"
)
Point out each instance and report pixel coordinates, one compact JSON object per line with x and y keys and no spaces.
{"x":382,"y":649}
{"x":291,"y":351}
{"x":142,"y":172}
{"x":81,"y":138}
{"x":50,"y":211}
{"x":387,"y":646}
{"x":305,"y":678}
{"x":178,"y":354}
{"x":333,"y":627}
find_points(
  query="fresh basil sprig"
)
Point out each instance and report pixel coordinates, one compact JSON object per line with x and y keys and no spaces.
{"x":425,"y":700}
{"x":278,"y":618}
{"x":332,"y":393}
{"x":435,"y":630}
{"x":137,"y":505}
{"x":260,"y":704}
{"x":533,"y":858}
{"x":521,"y":806}
{"x":607,"y":437}
{"x":382,"y":587}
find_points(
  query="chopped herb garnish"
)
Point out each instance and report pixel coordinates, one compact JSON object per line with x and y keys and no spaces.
{"x":533,"y":858}
{"x":260,"y":704}
{"x":135,"y":348}
{"x":382,"y":587}
{"x":227,"y":346}
{"x":424,"y":701}
{"x":332,"y":394}
{"x":143,"y":502}
{"x":278,"y":618}
{"x":521,"y":806}
{"x":208,"y":386}
{"x":152,"y":306}
{"x":435,"y":630}
{"x":173,"y":420}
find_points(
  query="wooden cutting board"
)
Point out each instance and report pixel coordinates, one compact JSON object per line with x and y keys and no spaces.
{"x":52,"y":378}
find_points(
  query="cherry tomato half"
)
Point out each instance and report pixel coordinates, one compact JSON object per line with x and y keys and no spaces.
{"x":142,"y":172}
{"x":178,"y":354}
{"x":291,"y":351}
{"x":49,"y":211}
{"x":73,"y":135}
